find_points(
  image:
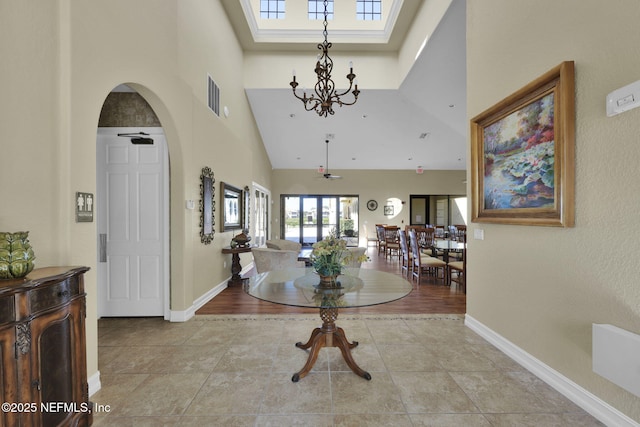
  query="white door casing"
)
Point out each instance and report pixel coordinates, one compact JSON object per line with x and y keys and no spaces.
{"x":132,"y":206}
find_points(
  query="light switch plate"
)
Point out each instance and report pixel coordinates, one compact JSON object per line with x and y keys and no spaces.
{"x":624,"y":99}
{"x":478,"y":234}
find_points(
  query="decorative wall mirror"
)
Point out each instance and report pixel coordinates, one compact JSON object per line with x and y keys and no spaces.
{"x":207,"y":206}
{"x":247,"y":209}
{"x":232,"y":208}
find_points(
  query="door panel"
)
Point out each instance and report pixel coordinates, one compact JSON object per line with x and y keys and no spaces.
{"x":132,"y":213}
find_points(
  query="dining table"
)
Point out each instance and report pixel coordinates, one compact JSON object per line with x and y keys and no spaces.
{"x":446,"y":246}
{"x":301,"y":287}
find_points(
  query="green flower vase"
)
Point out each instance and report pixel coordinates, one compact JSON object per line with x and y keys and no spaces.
{"x":16,"y":255}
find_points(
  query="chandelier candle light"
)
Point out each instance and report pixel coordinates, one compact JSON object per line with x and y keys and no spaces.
{"x":325,"y":91}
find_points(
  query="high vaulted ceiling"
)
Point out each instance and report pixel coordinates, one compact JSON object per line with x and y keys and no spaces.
{"x":422,"y":123}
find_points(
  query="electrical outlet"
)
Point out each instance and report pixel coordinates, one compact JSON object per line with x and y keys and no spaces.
{"x":224,"y":264}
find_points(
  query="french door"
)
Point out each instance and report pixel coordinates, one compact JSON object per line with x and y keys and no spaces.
{"x":308,"y":219}
{"x":261,"y":214}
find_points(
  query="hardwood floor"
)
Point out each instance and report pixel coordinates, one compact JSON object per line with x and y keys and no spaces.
{"x":430,"y":297}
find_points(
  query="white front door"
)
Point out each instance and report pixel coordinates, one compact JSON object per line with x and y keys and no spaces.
{"x":132,"y":208}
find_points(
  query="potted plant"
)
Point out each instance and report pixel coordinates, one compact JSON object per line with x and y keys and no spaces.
{"x":347,"y":227}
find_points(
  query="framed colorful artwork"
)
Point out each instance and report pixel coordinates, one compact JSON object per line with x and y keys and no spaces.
{"x":522,"y":154}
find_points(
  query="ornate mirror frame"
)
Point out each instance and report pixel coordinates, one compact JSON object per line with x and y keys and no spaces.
{"x":207,"y":206}
{"x":247,"y":210}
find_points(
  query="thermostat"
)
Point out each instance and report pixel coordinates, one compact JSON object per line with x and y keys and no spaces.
{"x":623,"y":99}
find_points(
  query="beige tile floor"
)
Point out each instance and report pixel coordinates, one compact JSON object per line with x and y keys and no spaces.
{"x":428,"y":370}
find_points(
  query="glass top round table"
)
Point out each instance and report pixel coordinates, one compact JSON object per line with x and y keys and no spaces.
{"x":356,"y":287}
{"x":300,"y":287}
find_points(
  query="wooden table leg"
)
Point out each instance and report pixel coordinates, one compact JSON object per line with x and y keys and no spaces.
{"x":236,"y":268}
{"x":328,"y":336}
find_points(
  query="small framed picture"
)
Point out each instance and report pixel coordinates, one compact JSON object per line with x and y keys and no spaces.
{"x":388,"y":210}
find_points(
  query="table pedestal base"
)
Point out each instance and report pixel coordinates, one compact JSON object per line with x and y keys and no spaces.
{"x":329,"y":335}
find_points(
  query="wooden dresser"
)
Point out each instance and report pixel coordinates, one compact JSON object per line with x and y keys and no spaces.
{"x":43,"y":365}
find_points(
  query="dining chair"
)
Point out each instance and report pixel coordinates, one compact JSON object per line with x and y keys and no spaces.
{"x":370,"y":239}
{"x":267,"y":259}
{"x":382,"y":244}
{"x":407,"y":260}
{"x":423,"y":263}
{"x":426,"y":236}
{"x":460,"y":268}
{"x":392,"y":241}
{"x":453,"y":232}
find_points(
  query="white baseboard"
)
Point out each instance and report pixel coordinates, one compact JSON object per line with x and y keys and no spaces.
{"x":184,"y":315}
{"x":94,"y":383}
{"x":595,"y":406}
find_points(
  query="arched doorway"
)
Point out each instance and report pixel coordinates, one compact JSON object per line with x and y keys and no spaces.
{"x":132,"y":204}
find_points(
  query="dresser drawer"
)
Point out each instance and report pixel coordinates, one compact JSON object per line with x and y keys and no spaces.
{"x":54,"y":295}
{"x":7,"y":309}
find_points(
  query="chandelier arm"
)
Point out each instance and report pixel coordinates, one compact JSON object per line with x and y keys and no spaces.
{"x":338,"y":95}
{"x":310,"y":106}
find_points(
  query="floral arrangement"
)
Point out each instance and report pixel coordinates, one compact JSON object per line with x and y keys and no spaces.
{"x":331,"y":254}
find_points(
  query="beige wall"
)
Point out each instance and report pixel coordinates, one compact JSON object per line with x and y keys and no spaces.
{"x":383,"y":186}
{"x":542,"y":288}
{"x":60,"y":61}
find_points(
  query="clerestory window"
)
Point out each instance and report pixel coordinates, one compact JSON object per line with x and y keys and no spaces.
{"x":316,"y":9}
{"x":272,"y":9}
{"x":369,"y":10}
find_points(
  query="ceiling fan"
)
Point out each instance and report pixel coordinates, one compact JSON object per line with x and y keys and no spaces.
{"x":325,"y":172}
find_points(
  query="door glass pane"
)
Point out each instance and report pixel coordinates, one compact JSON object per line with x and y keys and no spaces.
{"x":292,"y":218}
{"x":261,"y":216}
{"x":329,"y":215}
{"x":310,"y":220}
{"x":349,"y":216}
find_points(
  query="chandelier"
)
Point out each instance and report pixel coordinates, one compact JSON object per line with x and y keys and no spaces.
{"x":325,"y":91}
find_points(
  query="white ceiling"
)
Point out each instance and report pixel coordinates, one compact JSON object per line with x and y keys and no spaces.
{"x":382,"y":130}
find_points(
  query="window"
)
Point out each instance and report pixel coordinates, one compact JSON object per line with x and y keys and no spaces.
{"x":369,"y":10}
{"x":272,"y":9}
{"x":316,"y":9}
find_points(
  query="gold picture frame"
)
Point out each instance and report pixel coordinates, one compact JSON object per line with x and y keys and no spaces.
{"x":522,"y":154}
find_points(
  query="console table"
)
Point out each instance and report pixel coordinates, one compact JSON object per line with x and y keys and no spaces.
{"x":236,"y":268}
{"x":42,"y":349}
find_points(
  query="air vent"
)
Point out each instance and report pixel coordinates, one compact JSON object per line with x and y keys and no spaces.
{"x":213,"y":96}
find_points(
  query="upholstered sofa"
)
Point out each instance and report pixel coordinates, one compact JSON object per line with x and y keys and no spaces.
{"x":283,"y":245}
{"x":267,"y":259}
